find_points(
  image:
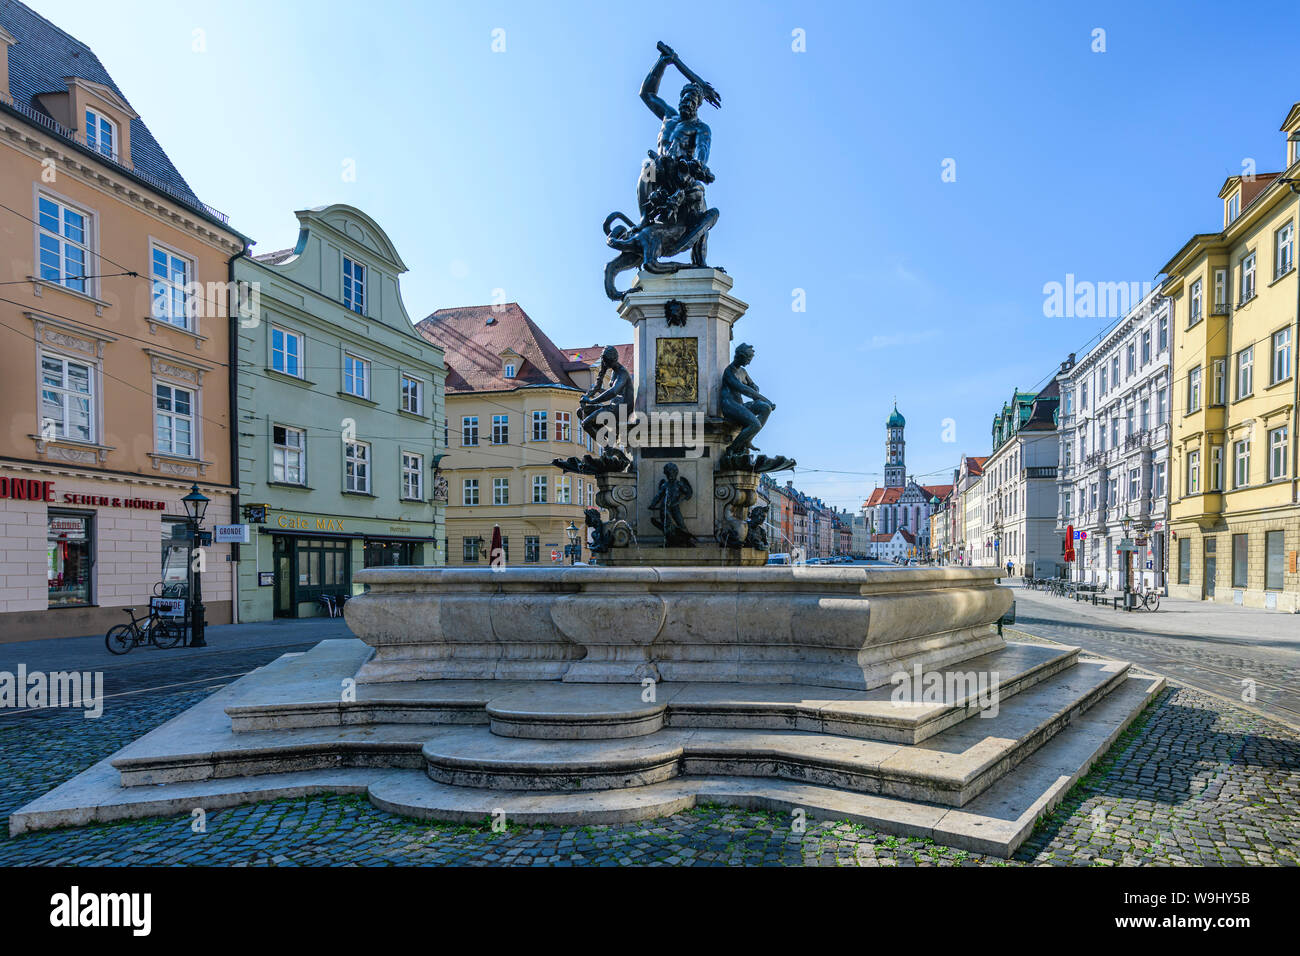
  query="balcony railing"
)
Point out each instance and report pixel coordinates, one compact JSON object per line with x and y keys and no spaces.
{"x":1041,"y":471}
{"x":74,"y":136}
{"x":1219,"y":308}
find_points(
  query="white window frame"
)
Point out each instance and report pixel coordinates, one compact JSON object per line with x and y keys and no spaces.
{"x":67,"y":394}
{"x":1241,"y":463}
{"x":284,"y":451}
{"x":510,"y":370}
{"x":539,"y":489}
{"x":1247,"y":278}
{"x":500,"y":491}
{"x":469,"y":492}
{"x":412,"y":394}
{"x":167,"y":295}
{"x":171,"y":417}
{"x":1220,"y":289}
{"x":84,"y":247}
{"x":357,"y":459}
{"x":1158,"y":480}
{"x":95,"y":121}
{"x":1216,"y":467}
{"x":469,"y":431}
{"x":353,"y":293}
{"x":563,"y":426}
{"x":1193,"y":472}
{"x":1281,"y":355}
{"x":539,"y":425}
{"x":1246,"y":372}
{"x":1284,"y":250}
{"x":1194,"y":390}
{"x":1218,"y":381}
{"x":1279,"y":447}
{"x":299,"y":358}
{"x":412,"y":476}
{"x":501,"y":429}
{"x":1195,"y":303}
{"x":350,"y":375}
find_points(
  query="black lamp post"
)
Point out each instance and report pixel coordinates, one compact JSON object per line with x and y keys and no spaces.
{"x":572,"y":532}
{"x":196,"y":505}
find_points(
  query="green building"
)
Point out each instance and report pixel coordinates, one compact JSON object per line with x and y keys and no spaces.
{"x":338,"y":398}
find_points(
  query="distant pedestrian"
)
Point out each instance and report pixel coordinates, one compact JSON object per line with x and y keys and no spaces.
{"x":1009,"y":567}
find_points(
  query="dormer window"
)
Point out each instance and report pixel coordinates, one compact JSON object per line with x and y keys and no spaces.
{"x":101,"y":133}
{"x":1233,"y":208}
{"x":354,"y":286}
{"x":510,"y":369}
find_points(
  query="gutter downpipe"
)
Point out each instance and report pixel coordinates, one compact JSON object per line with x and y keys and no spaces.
{"x":233,"y":389}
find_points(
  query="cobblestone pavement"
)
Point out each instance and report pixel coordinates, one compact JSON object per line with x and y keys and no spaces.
{"x":1209,"y":646}
{"x":1195,"y":781}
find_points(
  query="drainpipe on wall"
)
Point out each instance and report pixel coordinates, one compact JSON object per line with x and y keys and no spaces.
{"x":232,"y":374}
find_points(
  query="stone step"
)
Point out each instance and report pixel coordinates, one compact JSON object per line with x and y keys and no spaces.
{"x":963,"y":690}
{"x":475,"y":757}
{"x":949,"y":768}
{"x":995,"y":823}
{"x":556,"y":710}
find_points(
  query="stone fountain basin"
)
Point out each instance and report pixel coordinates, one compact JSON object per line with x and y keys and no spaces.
{"x":850,"y":627}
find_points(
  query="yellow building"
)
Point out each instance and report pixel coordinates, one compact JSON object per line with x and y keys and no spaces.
{"x":511,"y":409}
{"x":1234,"y":514}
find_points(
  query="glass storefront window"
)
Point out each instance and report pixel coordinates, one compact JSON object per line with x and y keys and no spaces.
{"x":391,"y":554}
{"x":68,"y":544}
{"x":175,"y":554}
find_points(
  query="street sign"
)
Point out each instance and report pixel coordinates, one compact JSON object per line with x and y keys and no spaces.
{"x":168,"y":607}
{"x":555,"y":555}
{"x":230,"y":534}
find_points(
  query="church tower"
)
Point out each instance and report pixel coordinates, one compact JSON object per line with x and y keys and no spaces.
{"x":895,"y":467}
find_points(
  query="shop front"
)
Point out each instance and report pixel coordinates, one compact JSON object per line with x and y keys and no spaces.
{"x":304,"y":563}
{"x":80,"y":548}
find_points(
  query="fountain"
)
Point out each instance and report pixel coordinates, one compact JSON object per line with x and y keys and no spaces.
{"x":677,"y":669}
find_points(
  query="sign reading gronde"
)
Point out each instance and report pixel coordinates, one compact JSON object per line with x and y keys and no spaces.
{"x":32,"y":489}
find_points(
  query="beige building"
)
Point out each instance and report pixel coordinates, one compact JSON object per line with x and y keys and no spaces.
{"x":511,"y":409}
{"x":115,"y":359}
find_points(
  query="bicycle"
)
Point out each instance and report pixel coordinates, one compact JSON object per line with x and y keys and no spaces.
{"x":1150,"y":600}
{"x":150,"y":629}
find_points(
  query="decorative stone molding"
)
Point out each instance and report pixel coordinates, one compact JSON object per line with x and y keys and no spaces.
{"x":176,"y":465}
{"x":68,"y":336}
{"x":77,"y":453}
{"x":171,"y":367}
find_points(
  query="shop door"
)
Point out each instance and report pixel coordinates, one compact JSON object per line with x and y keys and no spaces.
{"x":286,"y":576}
{"x":1207,"y":584}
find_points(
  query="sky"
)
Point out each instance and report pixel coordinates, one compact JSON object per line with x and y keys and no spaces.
{"x":913,"y":174}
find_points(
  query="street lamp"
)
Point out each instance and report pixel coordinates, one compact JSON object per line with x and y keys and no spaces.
{"x":196,"y":506}
{"x":572,"y":532}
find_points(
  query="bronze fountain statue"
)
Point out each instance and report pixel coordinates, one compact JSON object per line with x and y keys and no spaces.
{"x":670,"y":190}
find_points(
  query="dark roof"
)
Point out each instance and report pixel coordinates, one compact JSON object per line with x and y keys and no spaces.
{"x":473,"y":338}
{"x":274,"y":258}
{"x":44,"y":57}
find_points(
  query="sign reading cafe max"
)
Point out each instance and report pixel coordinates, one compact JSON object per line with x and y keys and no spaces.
{"x":31,"y":489}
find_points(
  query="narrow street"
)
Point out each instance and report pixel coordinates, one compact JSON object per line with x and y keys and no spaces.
{"x":1221,"y":649}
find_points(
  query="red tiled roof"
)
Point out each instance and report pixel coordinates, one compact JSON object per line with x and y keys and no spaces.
{"x":473,"y":338}
{"x":589,"y":356}
{"x":883,"y":496}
